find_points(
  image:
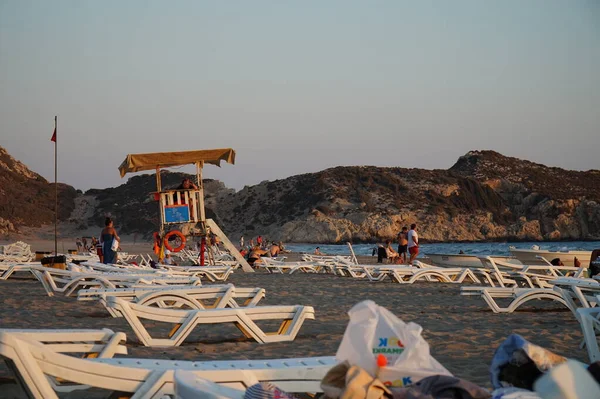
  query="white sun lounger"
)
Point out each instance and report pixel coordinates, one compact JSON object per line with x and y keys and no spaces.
{"x":68,"y":282}
{"x":420,"y":272}
{"x":185,"y":321}
{"x":506,"y":274}
{"x":276,"y":266}
{"x":589,"y":319}
{"x":212,"y":273}
{"x":206,"y":297}
{"x":17,"y":252}
{"x":8,"y":269}
{"x":519,"y":296}
{"x":42,"y":366}
{"x":577,"y":292}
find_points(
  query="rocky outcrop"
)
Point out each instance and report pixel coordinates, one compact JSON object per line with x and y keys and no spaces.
{"x":27,"y":199}
{"x":484,"y":196}
{"x":6,"y":228}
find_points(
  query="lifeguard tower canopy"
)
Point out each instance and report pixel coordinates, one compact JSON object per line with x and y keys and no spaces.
{"x":156,"y":160}
{"x":174,"y":202}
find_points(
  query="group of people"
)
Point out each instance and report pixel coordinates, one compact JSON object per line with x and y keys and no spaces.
{"x":254,"y":251}
{"x":82,"y":244}
{"x":259,"y":241}
{"x":408,"y":243}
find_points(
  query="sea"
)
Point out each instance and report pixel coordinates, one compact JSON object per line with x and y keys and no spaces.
{"x":483,"y":248}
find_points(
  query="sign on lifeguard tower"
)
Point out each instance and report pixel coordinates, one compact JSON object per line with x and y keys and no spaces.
{"x":177,"y":213}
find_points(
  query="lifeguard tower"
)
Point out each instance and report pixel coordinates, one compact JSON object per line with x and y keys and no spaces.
{"x":184,"y":208}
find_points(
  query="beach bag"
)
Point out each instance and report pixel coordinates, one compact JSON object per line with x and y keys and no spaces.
{"x":374,"y":331}
{"x":115,"y":245}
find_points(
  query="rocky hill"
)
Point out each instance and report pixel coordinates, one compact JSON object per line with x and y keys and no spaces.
{"x":484,"y":196}
{"x":27,"y":199}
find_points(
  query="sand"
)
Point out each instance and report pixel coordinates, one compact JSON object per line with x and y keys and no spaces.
{"x":461,"y":331}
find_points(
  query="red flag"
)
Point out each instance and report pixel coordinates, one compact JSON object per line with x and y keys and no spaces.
{"x":54,"y":135}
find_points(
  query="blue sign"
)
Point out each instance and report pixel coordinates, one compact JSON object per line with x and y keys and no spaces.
{"x":177,"y":213}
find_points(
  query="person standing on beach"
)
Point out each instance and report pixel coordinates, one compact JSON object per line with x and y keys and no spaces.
{"x":403,"y":244}
{"x":78,"y":244}
{"x":241,"y":242}
{"x":259,"y":241}
{"x":107,"y":236}
{"x":413,"y":242}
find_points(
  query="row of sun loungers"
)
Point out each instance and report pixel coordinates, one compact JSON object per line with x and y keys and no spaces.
{"x":173,"y":296}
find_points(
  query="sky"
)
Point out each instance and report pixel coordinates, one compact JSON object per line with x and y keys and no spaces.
{"x":298,"y":86}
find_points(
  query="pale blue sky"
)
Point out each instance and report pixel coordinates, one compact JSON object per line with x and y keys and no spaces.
{"x":298,"y":86}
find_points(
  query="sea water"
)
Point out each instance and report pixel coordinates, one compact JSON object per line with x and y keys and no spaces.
{"x":487,"y":248}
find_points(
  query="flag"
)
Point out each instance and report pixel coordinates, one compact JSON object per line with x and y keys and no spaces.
{"x":54,"y":135}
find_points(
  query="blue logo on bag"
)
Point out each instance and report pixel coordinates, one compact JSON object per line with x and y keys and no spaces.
{"x":390,"y":346}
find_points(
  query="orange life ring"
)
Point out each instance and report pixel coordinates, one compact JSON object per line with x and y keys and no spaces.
{"x":174,"y":233}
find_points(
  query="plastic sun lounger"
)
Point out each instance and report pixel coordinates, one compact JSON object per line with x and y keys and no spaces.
{"x":589,"y":319}
{"x":207,"y":297}
{"x":97,"y":267}
{"x":505,"y":274}
{"x":381,"y":272}
{"x":577,"y":292}
{"x":185,"y":321}
{"x":67,"y":282}
{"x":17,"y":252}
{"x":43,"y":366}
{"x":275,"y":266}
{"x":519,"y":296}
{"x":212,"y":273}
{"x":420,"y":272}
{"x":9,"y":269}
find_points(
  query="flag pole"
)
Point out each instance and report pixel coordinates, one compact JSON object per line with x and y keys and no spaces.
{"x":55,"y":190}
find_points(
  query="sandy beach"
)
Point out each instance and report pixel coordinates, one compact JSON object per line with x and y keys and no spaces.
{"x":462,"y":332}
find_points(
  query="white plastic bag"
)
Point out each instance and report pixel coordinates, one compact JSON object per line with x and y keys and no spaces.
{"x":374,"y":330}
